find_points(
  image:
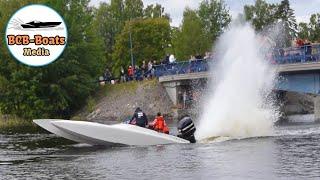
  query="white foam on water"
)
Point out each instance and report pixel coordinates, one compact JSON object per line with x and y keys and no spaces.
{"x":237,"y":105}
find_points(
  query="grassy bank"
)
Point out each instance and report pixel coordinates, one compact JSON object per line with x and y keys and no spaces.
{"x":12,"y":125}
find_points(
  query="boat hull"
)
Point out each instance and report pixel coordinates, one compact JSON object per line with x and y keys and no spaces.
{"x":47,"y":125}
{"x":117,"y":134}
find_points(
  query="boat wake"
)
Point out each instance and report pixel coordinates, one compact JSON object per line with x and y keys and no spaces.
{"x":282,"y":131}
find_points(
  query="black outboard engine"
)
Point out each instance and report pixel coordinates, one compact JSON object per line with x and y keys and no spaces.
{"x":186,"y":129}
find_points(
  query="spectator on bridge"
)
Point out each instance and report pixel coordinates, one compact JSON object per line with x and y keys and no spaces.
{"x":107,"y":75}
{"x":192,"y":58}
{"x":281,"y":52}
{"x":300,"y":42}
{"x":166,"y":59}
{"x":308,"y":50}
{"x":149,"y":69}
{"x":207,"y":56}
{"x":144,"y":69}
{"x":153,"y":68}
{"x":198,"y":56}
{"x":122,"y":75}
{"x":130,"y":73}
{"x":138,"y":73}
{"x":172,"y":59}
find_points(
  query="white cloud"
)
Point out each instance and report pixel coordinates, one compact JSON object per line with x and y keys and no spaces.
{"x":175,"y":8}
{"x":303,"y":8}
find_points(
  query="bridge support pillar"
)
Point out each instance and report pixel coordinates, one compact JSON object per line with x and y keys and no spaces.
{"x":175,"y":89}
{"x":172,"y":90}
{"x":317,"y":108}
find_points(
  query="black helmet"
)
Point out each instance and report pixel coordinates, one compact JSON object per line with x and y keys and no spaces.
{"x":137,"y":109}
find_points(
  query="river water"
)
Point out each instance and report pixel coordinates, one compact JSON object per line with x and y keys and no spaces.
{"x":293,"y":153}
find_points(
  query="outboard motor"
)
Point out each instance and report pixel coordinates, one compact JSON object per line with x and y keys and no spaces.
{"x":186,"y":129}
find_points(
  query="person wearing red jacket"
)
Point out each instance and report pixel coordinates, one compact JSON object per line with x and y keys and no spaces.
{"x":130,"y":73}
{"x":159,"y":124}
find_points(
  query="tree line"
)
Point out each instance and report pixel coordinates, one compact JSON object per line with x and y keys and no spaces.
{"x":106,"y":35}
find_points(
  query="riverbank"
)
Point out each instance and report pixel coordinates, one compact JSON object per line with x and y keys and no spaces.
{"x":117,"y":102}
{"x":12,"y":125}
{"x":110,"y":104}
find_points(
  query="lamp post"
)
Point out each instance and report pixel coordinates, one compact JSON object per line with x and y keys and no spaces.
{"x":130,"y":39}
{"x":131,"y":49}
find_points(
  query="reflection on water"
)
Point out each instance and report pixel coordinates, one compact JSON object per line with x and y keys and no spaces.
{"x":292,"y":153}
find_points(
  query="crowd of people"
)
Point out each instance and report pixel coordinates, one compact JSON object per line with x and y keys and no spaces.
{"x":138,"y":73}
{"x":301,"y":51}
{"x":145,"y":70}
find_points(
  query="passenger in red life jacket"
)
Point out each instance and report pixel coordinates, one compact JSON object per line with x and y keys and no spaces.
{"x":159,"y":124}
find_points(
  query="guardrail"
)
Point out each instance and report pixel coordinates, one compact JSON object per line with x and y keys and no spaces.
{"x":182,"y":67}
{"x":302,"y":54}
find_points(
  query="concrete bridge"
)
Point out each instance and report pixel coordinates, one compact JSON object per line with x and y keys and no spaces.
{"x":302,"y":77}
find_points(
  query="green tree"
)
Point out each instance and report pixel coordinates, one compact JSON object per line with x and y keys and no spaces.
{"x":174,"y":32}
{"x":303,"y":31}
{"x":310,"y":31}
{"x":155,"y":11}
{"x":314,"y":26}
{"x":215,"y":17}
{"x":192,"y":38}
{"x":150,"y":37}
{"x":133,"y":9}
{"x":288,"y":23}
{"x":109,"y":21}
{"x":261,"y":14}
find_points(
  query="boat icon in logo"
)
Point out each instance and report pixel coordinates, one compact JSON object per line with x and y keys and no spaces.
{"x":39,"y":24}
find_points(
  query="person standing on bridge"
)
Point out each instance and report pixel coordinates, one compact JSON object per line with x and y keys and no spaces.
{"x":130,"y":73}
{"x":150,"y":66}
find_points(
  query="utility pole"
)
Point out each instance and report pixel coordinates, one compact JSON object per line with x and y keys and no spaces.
{"x":130,"y":39}
{"x":131,"y":47}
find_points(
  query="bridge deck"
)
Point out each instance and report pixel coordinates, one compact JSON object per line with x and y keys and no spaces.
{"x":298,"y":67}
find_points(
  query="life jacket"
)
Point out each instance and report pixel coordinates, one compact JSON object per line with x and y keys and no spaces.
{"x":160,"y":125}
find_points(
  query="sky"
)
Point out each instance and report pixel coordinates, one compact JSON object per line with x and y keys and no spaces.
{"x":302,"y":8}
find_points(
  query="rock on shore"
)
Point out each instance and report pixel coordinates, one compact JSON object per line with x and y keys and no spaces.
{"x":119,"y":101}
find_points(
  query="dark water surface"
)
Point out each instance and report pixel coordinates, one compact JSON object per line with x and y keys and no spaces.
{"x":293,"y":153}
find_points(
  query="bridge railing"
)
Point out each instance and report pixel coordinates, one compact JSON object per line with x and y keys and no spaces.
{"x":303,"y":54}
{"x":182,"y":67}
